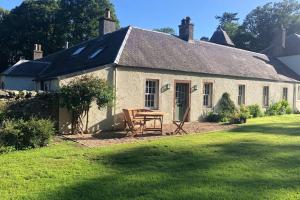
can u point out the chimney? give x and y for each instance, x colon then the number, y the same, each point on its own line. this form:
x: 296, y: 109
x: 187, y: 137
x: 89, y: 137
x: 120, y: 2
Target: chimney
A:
x: 106, y: 23
x: 279, y: 41
x: 186, y: 30
x: 283, y: 36
x: 37, y: 52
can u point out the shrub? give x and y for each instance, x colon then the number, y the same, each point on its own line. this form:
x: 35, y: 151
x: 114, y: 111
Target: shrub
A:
x: 226, y: 107
x: 279, y: 108
x: 213, y: 117
x: 6, y: 149
x: 26, y: 134
x: 244, y: 112
x: 255, y: 111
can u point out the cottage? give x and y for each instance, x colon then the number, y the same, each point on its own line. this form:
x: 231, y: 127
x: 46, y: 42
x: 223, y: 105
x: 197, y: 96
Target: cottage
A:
x: 167, y: 72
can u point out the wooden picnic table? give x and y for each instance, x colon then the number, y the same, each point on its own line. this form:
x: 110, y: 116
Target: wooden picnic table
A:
x: 152, y: 115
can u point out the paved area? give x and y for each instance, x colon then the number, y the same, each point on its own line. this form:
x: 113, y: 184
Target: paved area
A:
x: 119, y: 137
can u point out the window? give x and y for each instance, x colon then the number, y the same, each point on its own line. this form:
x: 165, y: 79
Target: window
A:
x: 78, y: 51
x: 207, y: 95
x: 151, y: 94
x: 95, y: 53
x: 266, y: 96
x: 241, y: 95
x: 298, y: 96
x: 285, y: 94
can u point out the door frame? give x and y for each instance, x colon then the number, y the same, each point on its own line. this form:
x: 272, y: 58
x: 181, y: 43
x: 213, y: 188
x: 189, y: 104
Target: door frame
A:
x: 189, y: 97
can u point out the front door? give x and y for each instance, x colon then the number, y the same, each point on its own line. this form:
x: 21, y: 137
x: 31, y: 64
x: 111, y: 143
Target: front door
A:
x: 182, y: 95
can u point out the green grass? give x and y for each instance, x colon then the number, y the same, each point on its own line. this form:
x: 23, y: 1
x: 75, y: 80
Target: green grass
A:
x: 259, y: 160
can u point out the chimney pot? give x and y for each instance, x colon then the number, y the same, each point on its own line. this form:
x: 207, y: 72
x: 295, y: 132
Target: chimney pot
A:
x: 283, y: 36
x: 107, y: 13
x: 37, y: 52
x: 67, y: 45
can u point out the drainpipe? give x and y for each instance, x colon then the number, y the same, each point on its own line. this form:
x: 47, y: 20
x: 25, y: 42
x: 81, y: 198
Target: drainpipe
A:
x: 115, y: 91
x: 295, y: 97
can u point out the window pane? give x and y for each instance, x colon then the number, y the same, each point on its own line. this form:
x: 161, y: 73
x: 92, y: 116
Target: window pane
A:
x: 207, y: 94
x: 151, y: 94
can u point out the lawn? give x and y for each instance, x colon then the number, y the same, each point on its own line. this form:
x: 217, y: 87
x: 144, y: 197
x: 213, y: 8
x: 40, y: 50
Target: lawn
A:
x: 259, y: 160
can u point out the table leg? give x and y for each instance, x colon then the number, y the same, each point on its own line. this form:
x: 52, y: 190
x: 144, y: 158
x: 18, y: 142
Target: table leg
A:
x: 161, y: 124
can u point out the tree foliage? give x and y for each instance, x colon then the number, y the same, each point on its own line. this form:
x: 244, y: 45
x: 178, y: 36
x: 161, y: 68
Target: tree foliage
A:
x: 49, y: 22
x: 165, y: 30
x: 78, y: 95
x: 204, y: 38
x: 263, y: 22
x: 227, y: 17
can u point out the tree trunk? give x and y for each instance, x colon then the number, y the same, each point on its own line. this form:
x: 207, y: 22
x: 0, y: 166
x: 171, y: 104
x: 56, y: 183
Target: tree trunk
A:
x: 87, y: 120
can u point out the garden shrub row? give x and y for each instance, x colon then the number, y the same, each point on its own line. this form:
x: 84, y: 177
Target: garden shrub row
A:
x: 228, y: 112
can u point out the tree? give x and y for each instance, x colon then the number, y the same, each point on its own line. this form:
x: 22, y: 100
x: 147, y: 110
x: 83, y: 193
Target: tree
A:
x: 79, y: 20
x: 3, y: 13
x: 78, y: 95
x: 227, y: 17
x: 165, y: 30
x: 263, y: 22
x: 31, y: 22
x: 204, y: 38
x: 49, y: 22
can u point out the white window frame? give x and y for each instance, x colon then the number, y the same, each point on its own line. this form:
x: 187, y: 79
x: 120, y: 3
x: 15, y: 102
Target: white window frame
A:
x: 207, y: 94
x: 241, y: 95
x: 151, y: 100
x: 285, y: 93
x: 266, y: 96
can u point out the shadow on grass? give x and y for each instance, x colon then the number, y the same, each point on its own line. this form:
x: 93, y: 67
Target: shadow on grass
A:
x: 290, y: 129
x: 244, y: 169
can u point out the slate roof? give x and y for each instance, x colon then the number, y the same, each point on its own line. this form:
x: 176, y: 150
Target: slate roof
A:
x: 135, y: 47
x: 221, y: 37
x: 26, y: 68
x: 292, y: 47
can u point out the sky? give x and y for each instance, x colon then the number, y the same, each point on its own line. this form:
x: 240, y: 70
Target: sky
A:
x: 150, y: 14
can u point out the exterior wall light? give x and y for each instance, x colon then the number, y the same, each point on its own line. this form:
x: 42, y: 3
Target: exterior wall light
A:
x: 166, y: 87
x: 195, y: 87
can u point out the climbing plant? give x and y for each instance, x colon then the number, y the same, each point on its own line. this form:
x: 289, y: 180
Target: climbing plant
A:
x: 79, y: 94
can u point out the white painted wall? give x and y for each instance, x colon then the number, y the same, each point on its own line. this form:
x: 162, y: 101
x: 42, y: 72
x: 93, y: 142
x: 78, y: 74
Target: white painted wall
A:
x: 293, y: 62
x: 130, y: 87
x: 18, y: 83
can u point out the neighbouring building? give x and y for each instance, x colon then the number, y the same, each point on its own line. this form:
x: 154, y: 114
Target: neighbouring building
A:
x: 167, y: 72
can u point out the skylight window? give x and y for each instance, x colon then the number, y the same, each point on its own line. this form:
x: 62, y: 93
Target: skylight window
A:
x: 96, y: 53
x: 78, y: 51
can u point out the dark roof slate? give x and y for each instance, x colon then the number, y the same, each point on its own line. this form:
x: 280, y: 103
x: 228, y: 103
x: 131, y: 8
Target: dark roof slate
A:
x: 150, y: 49
x: 221, y: 37
x: 292, y: 47
x: 136, y: 47
x: 27, y: 68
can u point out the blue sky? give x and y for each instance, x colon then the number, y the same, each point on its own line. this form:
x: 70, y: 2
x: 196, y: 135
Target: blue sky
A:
x: 151, y: 14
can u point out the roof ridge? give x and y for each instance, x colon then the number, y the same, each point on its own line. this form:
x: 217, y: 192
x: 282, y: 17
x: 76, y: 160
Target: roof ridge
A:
x: 238, y: 49
x: 10, y: 69
x: 152, y: 31
x: 118, y: 56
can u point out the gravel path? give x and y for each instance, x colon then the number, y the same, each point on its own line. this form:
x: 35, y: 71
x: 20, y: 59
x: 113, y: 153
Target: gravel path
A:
x: 119, y: 137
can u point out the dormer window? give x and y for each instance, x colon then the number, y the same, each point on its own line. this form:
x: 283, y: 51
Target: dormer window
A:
x: 78, y: 51
x: 96, y: 53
